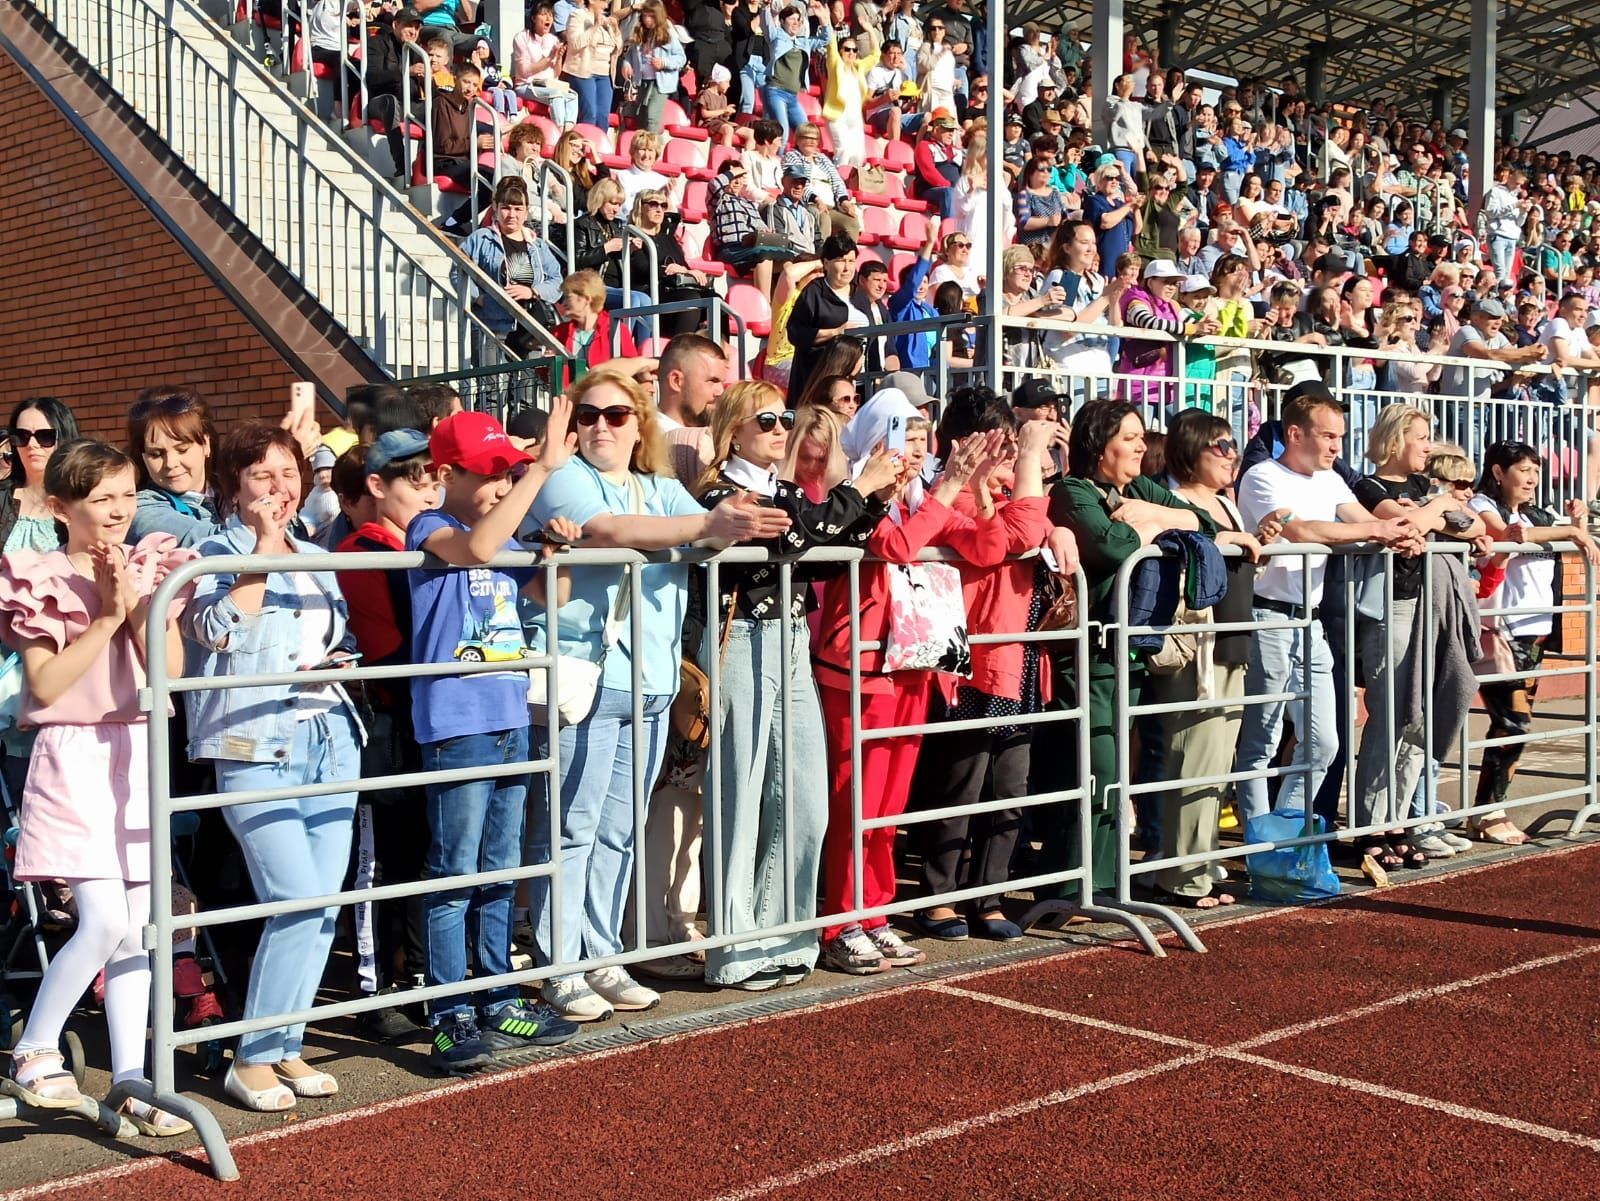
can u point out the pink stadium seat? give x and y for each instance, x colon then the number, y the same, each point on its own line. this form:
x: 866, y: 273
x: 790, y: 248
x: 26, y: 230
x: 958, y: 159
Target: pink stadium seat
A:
x: 913, y: 232
x: 599, y: 138
x: 689, y: 155
x: 710, y: 266
x: 897, y: 265
x: 899, y: 154
x: 695, y: 206
x: 751, y: 305
x: 868, y: 254
x: 877, y: 225
x: 811, y: 107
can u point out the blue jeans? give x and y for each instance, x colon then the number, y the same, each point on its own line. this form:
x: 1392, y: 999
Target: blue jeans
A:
x: 1129, y: 160
x: 294, y: 849
x: 563, y: 105
x: 1502, y: 253
x: 475, y: 826
x: 943, y: 199
x: 597, y: 826
x: 784, y: 108
x: 1232, y: 181
x: 754, y: 814
x: 594, y: 99
x: 1278, y: 659
x: 639, y: 327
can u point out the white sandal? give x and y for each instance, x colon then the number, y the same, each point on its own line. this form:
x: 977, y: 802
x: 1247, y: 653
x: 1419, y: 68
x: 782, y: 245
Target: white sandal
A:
x: 153, y: 1121
x: 42, y: 1079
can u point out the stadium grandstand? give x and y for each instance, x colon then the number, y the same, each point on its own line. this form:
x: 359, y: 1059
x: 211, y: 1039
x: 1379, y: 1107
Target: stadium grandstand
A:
x: 648, y: 596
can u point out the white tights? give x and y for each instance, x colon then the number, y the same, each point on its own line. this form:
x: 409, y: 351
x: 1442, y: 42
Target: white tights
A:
x: 110, y: 916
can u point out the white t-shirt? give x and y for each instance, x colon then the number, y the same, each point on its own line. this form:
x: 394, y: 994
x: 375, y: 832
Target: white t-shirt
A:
x: 1530, y: 581
x: 1270, y: 487
x: 315, y: 627
x: 1560, y: 327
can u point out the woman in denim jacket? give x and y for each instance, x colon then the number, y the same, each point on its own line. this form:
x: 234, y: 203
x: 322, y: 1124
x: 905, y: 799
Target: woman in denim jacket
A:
x: 276, y: 736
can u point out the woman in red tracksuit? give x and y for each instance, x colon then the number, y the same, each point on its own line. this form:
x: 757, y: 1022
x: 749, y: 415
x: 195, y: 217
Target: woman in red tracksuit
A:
x: 1008, y: 679
x: 887, y: 699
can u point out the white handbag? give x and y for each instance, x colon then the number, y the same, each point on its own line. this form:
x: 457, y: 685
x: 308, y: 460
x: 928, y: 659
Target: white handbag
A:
x: 580, y: 678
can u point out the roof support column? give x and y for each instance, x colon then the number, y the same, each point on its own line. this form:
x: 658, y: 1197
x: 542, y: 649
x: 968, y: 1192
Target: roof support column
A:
x: 995, y: 198
x: 1316, y: 61
x: 1439, y: 100
x: 1511, y: 119
x: 1167, y: 35
x: 1481, y: 102
x: 1105, y: 53
x: 507, y: 17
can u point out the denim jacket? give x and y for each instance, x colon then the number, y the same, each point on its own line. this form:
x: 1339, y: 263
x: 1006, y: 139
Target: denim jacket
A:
x: 251, y: 725
x: 671, y: 53
x: 487, y: 248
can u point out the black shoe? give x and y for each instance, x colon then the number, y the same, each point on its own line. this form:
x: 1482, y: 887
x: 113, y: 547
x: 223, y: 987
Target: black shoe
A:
x: 516, y: 1027
x: 458, y: 1048
x: 387, y: 1025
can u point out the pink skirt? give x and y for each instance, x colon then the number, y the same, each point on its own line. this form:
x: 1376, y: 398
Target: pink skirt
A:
x: 86, y: 807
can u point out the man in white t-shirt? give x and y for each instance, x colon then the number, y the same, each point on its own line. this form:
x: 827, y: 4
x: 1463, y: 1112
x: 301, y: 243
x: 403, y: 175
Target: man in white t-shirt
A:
x: 1304, y: 492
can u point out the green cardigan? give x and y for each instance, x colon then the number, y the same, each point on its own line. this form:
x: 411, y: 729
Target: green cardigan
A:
x: 1105, y: 544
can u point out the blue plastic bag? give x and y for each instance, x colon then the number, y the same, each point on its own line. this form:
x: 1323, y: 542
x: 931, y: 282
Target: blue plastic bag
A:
x: 1291, y: 874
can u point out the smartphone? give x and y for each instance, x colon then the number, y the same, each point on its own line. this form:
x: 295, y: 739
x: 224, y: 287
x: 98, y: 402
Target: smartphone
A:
x: 302, y: 402
x: 338, y: 659
x: 895, y: 439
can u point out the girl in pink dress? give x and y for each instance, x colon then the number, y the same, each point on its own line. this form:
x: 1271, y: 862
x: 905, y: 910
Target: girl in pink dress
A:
x: 77, y: 615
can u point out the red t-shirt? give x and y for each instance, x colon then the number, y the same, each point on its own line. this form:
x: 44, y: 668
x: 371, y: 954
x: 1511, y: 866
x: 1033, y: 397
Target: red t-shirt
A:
x: 368, y: 595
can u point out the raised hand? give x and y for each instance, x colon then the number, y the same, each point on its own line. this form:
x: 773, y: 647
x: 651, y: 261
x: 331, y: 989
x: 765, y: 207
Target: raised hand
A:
x: 880, y: 475
x: 559, y: 440
x: 742, y: 518
x: 117, y: 596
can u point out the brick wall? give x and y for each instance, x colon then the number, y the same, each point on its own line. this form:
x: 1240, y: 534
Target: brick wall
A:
x: 102, y: 301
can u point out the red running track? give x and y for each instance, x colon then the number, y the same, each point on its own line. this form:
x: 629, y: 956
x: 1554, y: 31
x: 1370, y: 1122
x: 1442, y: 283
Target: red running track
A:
x: 1437, y: 1040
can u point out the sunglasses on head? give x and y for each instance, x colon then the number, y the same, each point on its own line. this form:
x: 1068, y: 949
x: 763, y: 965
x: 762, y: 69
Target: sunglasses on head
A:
x: 46, y: 438
x: 768, y: 421
x: 616, y: 416
x: 166, y: 406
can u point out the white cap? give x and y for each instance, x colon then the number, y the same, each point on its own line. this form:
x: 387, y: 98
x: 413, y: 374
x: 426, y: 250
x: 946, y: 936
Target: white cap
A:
x: 1162, y: 269
x: 1195, y: 283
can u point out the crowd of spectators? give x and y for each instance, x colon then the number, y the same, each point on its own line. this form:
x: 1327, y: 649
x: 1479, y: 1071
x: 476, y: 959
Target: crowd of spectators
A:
x: 651, y: 454
x: 744, y: 146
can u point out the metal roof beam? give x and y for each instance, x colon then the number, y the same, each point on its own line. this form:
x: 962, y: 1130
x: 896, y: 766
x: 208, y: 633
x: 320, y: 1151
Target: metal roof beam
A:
x: 1566, y: 88
x: 1285, y: 16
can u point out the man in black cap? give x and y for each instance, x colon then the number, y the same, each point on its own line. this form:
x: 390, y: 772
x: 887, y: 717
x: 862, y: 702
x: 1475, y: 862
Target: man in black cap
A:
x: 1036, y: 400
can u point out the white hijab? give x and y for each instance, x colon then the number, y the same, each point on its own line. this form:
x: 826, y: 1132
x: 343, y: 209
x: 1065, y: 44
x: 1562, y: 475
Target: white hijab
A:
x: 869, y: 427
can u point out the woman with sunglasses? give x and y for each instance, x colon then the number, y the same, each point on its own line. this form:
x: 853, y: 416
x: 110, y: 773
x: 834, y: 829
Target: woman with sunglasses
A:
x: 832, y: 391
x: 619, y: 488
x: 771, y: 791
x: 1202, y: 457
x: 675, y: 279
x: 38, y: 425
x: 1397, y: 330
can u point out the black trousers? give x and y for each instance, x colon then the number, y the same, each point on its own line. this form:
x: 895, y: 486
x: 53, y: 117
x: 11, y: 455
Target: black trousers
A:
x: 961, y: 768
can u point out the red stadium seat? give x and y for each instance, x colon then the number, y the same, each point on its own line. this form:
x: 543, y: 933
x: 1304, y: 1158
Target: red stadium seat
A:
x: 913, y: 232
x: 899, y: 154
x: 689, y: 155
x: 877, y: 225
x: 751, y: 305
x: 695, y: 205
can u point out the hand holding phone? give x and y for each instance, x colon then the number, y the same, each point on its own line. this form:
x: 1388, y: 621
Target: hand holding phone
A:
x: 338, y: 659
x: 895, y: 438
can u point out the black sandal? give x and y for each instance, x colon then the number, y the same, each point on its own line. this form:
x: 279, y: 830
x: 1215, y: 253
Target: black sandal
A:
x: 1408, y: 855
x: 1381, y: 853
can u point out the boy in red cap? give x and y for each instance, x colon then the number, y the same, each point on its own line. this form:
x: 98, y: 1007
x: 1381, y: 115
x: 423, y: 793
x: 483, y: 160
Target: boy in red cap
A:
x: 486, y: 484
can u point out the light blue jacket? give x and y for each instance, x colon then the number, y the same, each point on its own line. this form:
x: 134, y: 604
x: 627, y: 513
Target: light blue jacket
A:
x: 486, y: 248
x: 252, y: 725
x: 672, y: 53
x: 189, y: 519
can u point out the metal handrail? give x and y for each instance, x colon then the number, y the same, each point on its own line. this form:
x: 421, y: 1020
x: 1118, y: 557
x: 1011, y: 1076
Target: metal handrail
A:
x: 213, y: 104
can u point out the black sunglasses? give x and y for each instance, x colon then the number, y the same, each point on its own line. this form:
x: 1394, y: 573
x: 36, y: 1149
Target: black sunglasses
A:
x: 616, y: 416
x: 45, y: 438
x: 1225, y: 446
x: 167, y: 406
x: 768, y: 421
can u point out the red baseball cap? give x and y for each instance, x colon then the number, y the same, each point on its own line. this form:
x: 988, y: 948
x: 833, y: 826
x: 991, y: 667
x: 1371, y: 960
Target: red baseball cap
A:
x: 474, y: 442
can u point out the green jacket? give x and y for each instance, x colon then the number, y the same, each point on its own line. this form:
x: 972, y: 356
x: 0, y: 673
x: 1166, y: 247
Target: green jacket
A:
x: 1104, y: 544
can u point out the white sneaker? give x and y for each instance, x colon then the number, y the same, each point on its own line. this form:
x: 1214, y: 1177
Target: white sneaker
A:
x: 622, y: 990
x: 576, y: 1001
x: 1434, y: 847
x: 1217, y: 872
x: 1453, y: 840
x: 895, y: 950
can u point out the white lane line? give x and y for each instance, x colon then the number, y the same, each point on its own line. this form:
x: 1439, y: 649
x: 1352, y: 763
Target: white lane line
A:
x: 426, y: 1096
x: 1416, y: 994
x: 1466, y: 1112
x: 955, y: 1129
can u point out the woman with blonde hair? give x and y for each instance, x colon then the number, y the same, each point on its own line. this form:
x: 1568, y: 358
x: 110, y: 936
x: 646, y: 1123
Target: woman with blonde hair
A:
x: 1398, y: 446
x: 619, y: 489
x: 576, y: 157
x: 756, y: 798
x: 594, y: 39
x: 816, y: 456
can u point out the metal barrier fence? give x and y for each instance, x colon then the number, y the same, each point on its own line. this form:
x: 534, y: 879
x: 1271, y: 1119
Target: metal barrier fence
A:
x: 1070, y: 804
x: 1295, y: 689
x: 504, y: 390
